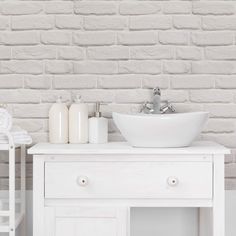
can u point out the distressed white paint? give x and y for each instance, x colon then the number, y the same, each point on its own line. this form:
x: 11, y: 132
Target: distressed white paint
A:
x: 71, y: 187
x: 119, y: 148
x: 151, y: 221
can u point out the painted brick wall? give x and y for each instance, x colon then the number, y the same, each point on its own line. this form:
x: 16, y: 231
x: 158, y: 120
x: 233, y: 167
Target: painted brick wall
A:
x: 116, y: 52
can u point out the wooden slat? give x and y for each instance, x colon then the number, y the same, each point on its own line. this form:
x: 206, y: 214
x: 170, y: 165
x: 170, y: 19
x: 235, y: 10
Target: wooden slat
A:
x: 4, y: 184
x: 4, y: 170
x: 4, y: 157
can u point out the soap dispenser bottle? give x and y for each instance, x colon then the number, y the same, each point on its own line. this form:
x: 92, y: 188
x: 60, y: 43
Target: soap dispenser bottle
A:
x: 98, y: 127
x: 58, y: 122
x: 78, y: 121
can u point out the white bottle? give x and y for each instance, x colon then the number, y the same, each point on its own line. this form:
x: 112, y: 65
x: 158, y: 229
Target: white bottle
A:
x: 78, y: 121
x: 98, y: 127
x: 58, y: 122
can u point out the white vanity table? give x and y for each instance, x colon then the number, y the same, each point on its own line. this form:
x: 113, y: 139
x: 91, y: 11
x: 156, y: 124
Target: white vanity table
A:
x: 89, y: 189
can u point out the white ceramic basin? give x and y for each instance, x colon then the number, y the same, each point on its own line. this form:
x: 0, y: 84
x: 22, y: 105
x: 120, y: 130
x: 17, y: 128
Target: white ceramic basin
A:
x: 160, y: 130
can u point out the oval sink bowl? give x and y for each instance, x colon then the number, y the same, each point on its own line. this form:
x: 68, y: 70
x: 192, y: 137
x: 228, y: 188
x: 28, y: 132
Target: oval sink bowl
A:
x: 160, y: 130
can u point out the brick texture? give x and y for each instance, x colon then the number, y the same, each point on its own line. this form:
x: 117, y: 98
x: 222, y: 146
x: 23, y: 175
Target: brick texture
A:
x: 116, y: 52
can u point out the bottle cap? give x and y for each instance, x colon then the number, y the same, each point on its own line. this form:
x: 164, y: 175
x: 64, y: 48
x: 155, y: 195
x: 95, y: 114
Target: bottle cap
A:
x: 78, y: 98
x: 97, y: 111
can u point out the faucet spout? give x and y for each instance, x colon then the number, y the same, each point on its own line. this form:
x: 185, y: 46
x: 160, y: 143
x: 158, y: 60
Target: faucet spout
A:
x: 156, y: 100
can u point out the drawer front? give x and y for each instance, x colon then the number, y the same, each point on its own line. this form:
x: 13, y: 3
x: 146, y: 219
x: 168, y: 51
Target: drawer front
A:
x: 191, y: 180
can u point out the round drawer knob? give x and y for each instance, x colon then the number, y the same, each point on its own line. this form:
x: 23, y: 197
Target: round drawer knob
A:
x: 82, y: 181
x: 172, y: 181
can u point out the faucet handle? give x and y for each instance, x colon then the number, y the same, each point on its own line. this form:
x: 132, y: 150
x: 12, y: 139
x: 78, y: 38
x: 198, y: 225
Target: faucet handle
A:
x: 171, y: 107
x: 167, y: 107
x: 143, y: 106
x: 146, y: 108
x: 157, y: 91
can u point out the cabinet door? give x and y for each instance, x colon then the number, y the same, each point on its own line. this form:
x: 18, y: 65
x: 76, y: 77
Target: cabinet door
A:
x: 86, y: 221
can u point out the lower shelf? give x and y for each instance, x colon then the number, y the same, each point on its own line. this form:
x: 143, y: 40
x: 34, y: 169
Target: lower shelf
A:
x: 4, y: 227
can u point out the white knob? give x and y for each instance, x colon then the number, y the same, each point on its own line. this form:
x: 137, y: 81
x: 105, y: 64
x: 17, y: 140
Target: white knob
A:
x: 172, y: 181
x: 82, y: 181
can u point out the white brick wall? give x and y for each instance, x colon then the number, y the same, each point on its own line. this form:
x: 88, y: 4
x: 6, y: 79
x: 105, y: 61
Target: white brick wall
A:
x: 116, y: 52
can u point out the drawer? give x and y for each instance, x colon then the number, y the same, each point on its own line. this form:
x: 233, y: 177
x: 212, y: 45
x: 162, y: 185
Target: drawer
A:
x: 192, y: 180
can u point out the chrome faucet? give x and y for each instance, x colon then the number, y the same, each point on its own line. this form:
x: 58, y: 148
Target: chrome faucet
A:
x: 156, y: 107
x: 156, y: 102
